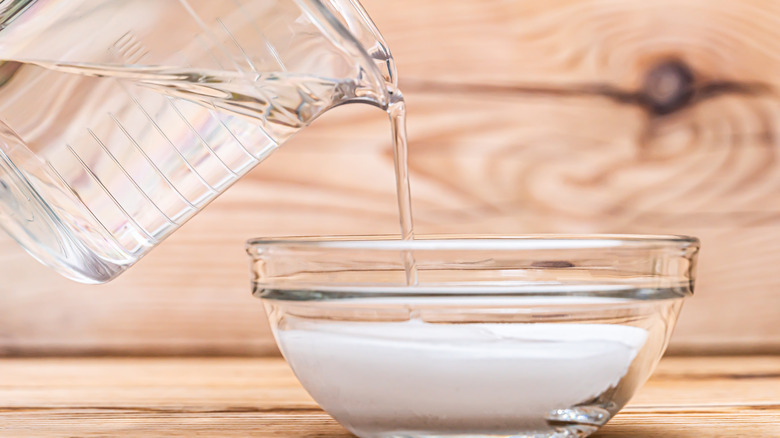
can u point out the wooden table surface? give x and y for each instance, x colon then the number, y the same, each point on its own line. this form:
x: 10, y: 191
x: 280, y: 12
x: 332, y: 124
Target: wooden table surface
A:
x: 687, y: 397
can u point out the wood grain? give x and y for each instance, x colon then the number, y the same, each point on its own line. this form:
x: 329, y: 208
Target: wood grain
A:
x: 687, y: 397
x: 525, y: 116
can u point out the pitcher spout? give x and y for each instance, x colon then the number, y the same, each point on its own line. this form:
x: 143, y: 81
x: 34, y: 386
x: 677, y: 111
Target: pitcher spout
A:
x: 349, y: 23
x: 366, y: 33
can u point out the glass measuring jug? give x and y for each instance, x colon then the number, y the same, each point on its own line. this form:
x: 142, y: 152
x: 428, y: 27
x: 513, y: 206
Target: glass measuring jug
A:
x: 120, y: 120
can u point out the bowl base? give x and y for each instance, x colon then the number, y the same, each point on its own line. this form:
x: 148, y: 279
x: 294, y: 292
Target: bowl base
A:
x: 574, y: 431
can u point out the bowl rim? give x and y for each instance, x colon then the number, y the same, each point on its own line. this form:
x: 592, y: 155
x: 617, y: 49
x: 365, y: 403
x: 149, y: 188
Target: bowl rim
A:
x: 298, y: 249
x: 438, y: 242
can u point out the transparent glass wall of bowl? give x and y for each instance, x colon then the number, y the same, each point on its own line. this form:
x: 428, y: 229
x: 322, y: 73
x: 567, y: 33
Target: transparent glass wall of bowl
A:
x: 545, y: 336
x: 120, y: 120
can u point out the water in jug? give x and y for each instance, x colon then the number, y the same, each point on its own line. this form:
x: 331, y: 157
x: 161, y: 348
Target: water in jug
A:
x: 119, y: 120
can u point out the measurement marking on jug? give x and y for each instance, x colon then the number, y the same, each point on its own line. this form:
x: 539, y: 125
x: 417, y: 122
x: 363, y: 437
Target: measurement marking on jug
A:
x: 216, y: 115
x: 129, y: 217
x: 151, y: 162
x: 189, y: 165
x: 211, y: 151
x: 205, y: 29
x: 109, y: 234
x: 271, y: 49
x: 132, y: 181
x: 127, y: 46
x: 259, y: 128
x: 238, y: 46
x: 122, y: 42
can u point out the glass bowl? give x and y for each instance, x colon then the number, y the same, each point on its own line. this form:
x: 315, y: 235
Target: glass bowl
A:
x: 542, y: 336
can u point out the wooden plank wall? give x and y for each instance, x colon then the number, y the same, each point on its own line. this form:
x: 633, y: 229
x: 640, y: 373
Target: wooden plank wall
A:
x: 525, y: 116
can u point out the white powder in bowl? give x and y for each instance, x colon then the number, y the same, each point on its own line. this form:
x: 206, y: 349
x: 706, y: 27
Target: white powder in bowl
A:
x: 417, y: 376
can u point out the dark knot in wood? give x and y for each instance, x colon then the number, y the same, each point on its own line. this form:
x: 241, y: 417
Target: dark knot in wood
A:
x: 552, y: 264
x: 668, y: 87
